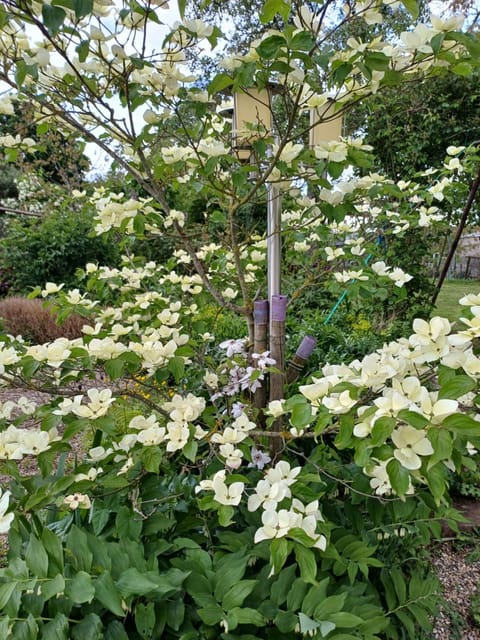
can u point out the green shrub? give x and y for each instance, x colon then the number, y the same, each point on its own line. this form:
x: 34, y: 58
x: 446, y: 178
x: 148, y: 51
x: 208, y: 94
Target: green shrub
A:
x: 53, y: 249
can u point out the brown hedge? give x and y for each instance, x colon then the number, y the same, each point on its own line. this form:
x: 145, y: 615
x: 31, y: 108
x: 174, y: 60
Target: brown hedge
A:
x: 35, y: 323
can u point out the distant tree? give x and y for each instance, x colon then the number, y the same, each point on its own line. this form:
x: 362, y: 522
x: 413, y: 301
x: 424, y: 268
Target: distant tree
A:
x: 58, y: 157
x: 411, y: 129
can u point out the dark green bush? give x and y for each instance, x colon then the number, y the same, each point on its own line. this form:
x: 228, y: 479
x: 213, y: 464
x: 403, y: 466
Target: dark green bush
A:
x: 50, y: 250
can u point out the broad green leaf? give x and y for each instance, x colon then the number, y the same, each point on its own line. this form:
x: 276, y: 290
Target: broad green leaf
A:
x: 272, y: 7
x: 220, y: 82
x: 211, y: 615
x: 246, y: 615
x: 182, y: 4
x: 53, y: 587
x: 89, y: 628
x: 301, y: 415
x: 442, y: 443
x: 398, y: 476
x: 456, y: 387
x: 59, y: 629
x: 228, y: 571
x: 296, y: 595
x: 346, y: 620
x: 412, y: 7
x: 53, y: 18
x: 107, y: 594
x: 282, y: 587
x: 128, y: 524
x: 285, y: 621
x: 269, y: 48
x: 302, y: 41
x: 237, y: 594
x: 316, y: 594
x: 279, y: 550
x: 81, y: 589
x: 77, y: 546
x: 332, y: 604
x: 115, y: 631
x: 36, y: 557
x: 382, y: 429
x: 6, y: 591
x: 412, y: 417
x: 82, y: 8
x: 437, y: 481
x: 307, y: 563
x: 145, y: 619
x: 462, y: 424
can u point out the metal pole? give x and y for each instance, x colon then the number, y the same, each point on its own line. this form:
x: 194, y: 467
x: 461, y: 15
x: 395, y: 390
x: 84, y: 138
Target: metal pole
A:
x: 274, y: 220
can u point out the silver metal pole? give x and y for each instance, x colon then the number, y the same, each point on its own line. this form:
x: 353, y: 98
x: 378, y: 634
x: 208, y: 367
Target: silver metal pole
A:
x: 274, y: 261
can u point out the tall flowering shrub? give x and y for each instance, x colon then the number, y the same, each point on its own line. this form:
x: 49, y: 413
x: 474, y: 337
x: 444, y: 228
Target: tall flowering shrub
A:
x: 178, y: 519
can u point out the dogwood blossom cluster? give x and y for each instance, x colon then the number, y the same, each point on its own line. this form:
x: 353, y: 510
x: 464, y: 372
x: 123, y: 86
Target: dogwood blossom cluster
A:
x: 406, y: 408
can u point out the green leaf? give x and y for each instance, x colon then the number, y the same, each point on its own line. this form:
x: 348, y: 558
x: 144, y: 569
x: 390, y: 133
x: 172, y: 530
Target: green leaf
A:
x: 272, y: 7
x: 456, y: 387
x: 442, y: 443
x: 285, y: 621
x: 399, y: 477
x: 437, y: 481
x: 283, y: 585
x: 182, y: 4
x: 279, y: 551
x: 128, y: 524
x: 6, y: 591
x: 220, y: 82
x: 82, y: 8
x: 228, y: 571
x: 81, y: 588
x: 107, y: 594
x: 332, y: 604
x: 53, y: 18
x: 301, y: 415
x: 246, y: 615
x: 133, y: 582
x: 211, y: 615
x: 145, y: 619
x: 115, y: 631
x: 412, y: 7
x: 53, y: 587
x: 307, y: 563
x: 382, y: 429
x: 36, y: 557
x: 296, y: 595
x: 114, y: 368
x: 237, y: 594
x: 176, y: 366
x: 412, y: 417
x: 77, y: 545
x: 89, y: 628
x: 345, y: 620
x: 462, y: 424
x: 302, y: 41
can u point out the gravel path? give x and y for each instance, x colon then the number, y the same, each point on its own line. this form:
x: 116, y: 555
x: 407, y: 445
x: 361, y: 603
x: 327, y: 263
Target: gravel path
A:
x: 458, y: 569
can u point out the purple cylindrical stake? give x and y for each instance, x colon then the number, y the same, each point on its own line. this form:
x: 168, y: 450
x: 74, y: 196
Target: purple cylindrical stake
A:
x: 279, y: 308
x: 306, y: 347
x: 260, y: 311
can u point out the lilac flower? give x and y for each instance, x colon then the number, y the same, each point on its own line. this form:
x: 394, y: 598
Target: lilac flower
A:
x: 259, y: 459
x: 233, y: 346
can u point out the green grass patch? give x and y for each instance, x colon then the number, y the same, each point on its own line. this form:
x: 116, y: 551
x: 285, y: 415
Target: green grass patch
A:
x: 452, y: 290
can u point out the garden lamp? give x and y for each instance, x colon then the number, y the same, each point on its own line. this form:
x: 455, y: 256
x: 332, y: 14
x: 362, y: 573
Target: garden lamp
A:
x: 325, y: 124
